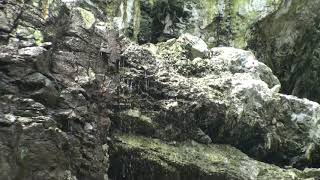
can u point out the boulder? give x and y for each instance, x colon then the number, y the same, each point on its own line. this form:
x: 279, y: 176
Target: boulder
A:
x: 227, y: 94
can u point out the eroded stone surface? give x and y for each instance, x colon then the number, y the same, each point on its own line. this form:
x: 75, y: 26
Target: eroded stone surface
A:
x: 190, y: 160
x: 228, y: 94
x: 64, y: 76
x: 50, y: 126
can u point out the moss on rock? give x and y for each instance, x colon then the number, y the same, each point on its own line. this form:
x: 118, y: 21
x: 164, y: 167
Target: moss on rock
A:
x: 190, y: 160
x: 87, y: 17
x: 134, y: 121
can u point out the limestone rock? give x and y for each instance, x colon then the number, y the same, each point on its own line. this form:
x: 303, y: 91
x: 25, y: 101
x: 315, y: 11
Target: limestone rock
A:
x: 31, y: 51
x: 198, y: 47
x: 71, y: 87
x: 228, y: 94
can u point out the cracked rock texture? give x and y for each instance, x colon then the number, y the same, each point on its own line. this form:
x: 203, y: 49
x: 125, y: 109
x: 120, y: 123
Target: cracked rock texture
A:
x: 84, y: 95
x: 284, y: 34
x: 51, y: 121
x: 227, y: 96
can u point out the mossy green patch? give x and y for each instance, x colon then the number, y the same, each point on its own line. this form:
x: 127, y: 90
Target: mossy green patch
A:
x: 30, y: 33
x: 38, y: 37
x: 87, y: 17
x: 192, y: 160
x: 218, y: 22
x: 132, y: 120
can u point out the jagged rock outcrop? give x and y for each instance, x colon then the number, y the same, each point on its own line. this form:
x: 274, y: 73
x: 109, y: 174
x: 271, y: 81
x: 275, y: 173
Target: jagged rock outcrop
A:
x: 51, y: 88
x: 284, y: 34
x: 73, y: 92
x: 223, y: 96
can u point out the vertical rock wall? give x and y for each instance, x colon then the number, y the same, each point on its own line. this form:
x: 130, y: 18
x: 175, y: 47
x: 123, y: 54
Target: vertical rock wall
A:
x: 219, y: 22
x: 288, y: 42
x: 64, y: 76
x: 53, y: 78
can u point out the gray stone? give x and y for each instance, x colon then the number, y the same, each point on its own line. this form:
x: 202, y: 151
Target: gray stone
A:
x: 198, y: 47
x: 290, y: 47
x: 170, y: 103
x: 32, y: 51
x: 7, y: 119
x: 230, y: 95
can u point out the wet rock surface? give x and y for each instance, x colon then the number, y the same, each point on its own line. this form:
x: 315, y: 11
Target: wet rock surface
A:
x: 74, y: 91
x: 190, y: 160
x: 51, y: 126
x: 225, y: 97
x: 284, y: 34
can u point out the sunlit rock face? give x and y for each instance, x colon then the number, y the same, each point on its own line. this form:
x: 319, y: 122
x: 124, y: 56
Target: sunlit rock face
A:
x: 175, y: 104
x: 223, y: 96
x: 283, y: 34
x: 218, y: 22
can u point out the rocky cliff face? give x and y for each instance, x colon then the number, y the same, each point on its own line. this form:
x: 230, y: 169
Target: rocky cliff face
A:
x: 288, y: 42
x: 85, y: 95
x: 282, y: 33
x: 53, y: 122
x: 218, y: 22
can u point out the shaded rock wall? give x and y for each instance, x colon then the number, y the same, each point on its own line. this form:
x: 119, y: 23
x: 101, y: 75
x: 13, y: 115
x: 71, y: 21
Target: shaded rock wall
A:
x: 53, y: 66
x: 288, y: 42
